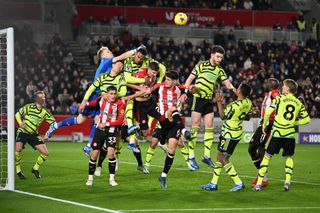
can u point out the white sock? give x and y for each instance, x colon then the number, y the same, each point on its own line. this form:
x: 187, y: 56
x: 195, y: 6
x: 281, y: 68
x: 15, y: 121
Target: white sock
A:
x: 163, y: 174
x: 90, y: 177
x: 183, y: 131
x: 111, y: 177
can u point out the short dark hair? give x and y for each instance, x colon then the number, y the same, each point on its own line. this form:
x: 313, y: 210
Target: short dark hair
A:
x: 291, y: 84
x: 273, y: 83
x: 142, y: 51
x: 111, y: 88
x: 218, y: 49
x: 173, y: 75
x: 35, y: 95
x: 245, y: 89
x: 154, y: 66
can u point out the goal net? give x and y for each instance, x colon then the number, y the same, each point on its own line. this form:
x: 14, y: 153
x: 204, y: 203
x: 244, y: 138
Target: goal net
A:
x: 7, y: 140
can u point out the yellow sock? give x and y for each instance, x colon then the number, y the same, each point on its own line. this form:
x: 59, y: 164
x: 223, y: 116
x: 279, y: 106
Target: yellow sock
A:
x: 185, y: 153
x: 289, y: 169
x: 129, y: 112
x: 229, y: 168
x: 208, y: 140
x: 40, y: 160
x: 149, y: 156
x: 263, y: 169
x: 216, y: 173
x: 193, y: 141
x: 132, y: 138
x: 18, y: 161
x: 118, y: 148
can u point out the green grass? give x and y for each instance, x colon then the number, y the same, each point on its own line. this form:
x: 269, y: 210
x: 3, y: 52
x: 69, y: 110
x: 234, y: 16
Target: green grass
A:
x: 65, y: 171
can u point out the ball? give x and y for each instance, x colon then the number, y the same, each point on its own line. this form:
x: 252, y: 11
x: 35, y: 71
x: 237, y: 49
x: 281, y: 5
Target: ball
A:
x: 181, y: 19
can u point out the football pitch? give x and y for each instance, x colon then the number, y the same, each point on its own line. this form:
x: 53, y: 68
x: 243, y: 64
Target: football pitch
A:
x: 62, y: 187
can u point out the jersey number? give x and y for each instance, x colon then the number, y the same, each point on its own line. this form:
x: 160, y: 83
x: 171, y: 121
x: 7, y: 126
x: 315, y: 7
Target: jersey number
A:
x: 242, y: 116
x: 288, y: 115
x: 112, y: 140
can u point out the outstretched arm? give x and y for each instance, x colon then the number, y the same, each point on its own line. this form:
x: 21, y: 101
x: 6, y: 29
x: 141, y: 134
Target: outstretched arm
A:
x: 220, y: 102
x: 189, y: 80
x: 124, y: 55
x: 229, y: 85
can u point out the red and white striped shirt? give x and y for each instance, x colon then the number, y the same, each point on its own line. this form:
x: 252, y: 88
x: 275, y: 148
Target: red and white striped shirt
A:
x: 167, y: 97
x: 111, y: 113
x: 267, y: 101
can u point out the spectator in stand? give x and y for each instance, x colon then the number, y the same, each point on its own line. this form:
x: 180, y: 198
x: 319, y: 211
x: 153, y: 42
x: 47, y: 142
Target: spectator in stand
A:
x: 152, y: 23
x: 238, y: 25
x: 247, y: 5
x: 91, y: 20
x: 247, y: 64
x: 193, y: 21
x: 122, y: 20
x: 226, y: 6
x: 221, y: 24
x: 219, y: 38
x: 277, y: 26
x: 143, y: 23
x: 301, y: 24
x: 115, y: 21
x: 104, y: 21
x: 315, y: 28
x: 231, y: 37
x: 290, y: 26
x: 209, y: 24
x: 126, y: 36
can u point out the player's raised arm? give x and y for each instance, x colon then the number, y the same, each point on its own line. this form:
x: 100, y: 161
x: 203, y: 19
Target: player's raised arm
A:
x: 229, y: 85
x: 86, y: 97
x: 127, y: 54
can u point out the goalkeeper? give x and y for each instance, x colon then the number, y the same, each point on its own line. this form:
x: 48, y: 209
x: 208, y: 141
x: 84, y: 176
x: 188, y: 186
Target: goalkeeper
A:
x: 105, y: 66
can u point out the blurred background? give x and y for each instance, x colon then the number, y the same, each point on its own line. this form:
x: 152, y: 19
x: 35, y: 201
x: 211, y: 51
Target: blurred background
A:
x: 56, y: 43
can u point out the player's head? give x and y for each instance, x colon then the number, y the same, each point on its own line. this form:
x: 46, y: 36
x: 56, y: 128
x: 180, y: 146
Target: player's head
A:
x: 117, y: 66
x: 217, y: 53
x: 289, y: 86
x: 171, y: 79
x: 140, y: 55
x: 111, y: 93
x: 104, y: 52
x: 273, y: 84
x: 153, y: 69
x: 244, y: 89
x: 40, y: 97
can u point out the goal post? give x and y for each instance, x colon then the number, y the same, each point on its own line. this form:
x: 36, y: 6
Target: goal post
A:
x: 7, y: 109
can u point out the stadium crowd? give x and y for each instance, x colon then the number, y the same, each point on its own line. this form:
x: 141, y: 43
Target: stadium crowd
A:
x: 221, y: 4
x: 52, y: 68
x: 244, y: 61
